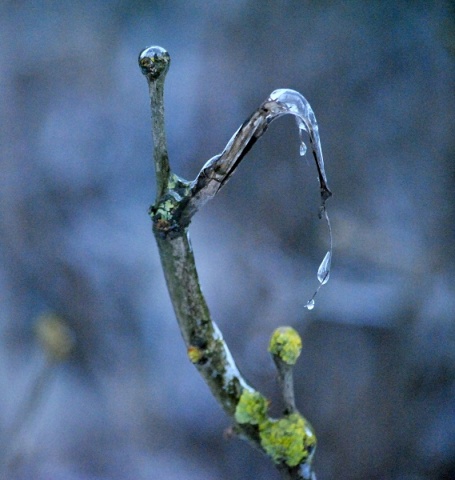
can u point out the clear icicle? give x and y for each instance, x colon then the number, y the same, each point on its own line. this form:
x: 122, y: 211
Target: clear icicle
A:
x: 292, y: 102
x: 302, y: 131
x: 324, y: 268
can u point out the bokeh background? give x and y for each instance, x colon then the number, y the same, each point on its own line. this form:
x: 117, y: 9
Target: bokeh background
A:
x: 377, y: 372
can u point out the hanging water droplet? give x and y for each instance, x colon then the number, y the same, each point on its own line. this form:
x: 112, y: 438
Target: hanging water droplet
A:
x: 310, y: 304
x: 291, y: 102
x: 324, y: 268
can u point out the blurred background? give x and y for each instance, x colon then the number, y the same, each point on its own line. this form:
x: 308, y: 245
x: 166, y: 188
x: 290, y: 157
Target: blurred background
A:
x: 79, y: 265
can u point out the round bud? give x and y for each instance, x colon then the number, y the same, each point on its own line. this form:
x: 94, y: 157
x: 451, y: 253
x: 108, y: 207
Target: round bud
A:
x: 286, y: 344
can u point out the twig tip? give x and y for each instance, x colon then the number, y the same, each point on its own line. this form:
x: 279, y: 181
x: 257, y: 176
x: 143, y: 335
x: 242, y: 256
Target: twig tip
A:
x: 154, y: 62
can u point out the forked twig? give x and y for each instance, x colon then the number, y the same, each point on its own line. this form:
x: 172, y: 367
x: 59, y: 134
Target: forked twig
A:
x: 288, y: 441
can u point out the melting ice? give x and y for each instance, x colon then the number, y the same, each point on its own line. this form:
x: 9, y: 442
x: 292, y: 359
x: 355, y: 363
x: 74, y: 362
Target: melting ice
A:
x: 323, y: 274
x: 292, y: 102
x: 310, y: 304
x: 324, y: 268
x: 302, y: 130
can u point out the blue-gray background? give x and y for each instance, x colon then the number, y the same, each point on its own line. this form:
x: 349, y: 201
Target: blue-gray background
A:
x: 377, y: 373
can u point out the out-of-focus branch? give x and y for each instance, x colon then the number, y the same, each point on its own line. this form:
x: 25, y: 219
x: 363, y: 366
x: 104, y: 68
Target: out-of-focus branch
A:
x: 57, y: 342
x: 288, y: 441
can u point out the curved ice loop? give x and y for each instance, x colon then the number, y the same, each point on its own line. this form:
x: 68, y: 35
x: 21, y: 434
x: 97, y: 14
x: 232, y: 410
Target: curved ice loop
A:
x: 292, y: 102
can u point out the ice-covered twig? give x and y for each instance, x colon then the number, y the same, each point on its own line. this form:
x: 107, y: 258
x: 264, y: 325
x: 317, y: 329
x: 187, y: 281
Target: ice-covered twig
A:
x: 217, y: 171
x: 177, y: 200
x: 154, y: 63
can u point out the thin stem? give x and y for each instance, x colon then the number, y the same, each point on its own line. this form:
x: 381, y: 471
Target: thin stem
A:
x: 285, y: 377
x: 160, y: 155
x: 154, y: 63
x: 285, y: 347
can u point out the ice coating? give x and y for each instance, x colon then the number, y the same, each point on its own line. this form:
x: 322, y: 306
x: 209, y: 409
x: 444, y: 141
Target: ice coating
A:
x: 302, y: 130
x: 231, y: 373
x: 154, y: 62
x: 324, y: 268
x: 292, y: 102
x: 217, y: 171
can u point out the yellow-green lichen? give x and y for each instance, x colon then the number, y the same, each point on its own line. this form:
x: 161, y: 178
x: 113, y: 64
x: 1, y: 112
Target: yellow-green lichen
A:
x: 195, y: 354
x: 252, y: 408
x: 166, y: 208
x: 286, y: 344
x: 290, y: 439
x: 164, y: 211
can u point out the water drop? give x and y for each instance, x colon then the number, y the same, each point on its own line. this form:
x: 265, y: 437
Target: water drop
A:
x: 310, y: 304
x: 324, y: 268
x: 302, y: 149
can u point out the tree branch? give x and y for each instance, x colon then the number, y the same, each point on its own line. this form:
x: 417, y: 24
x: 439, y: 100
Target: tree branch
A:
x: 288, y: 441
x: 154, y: 62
